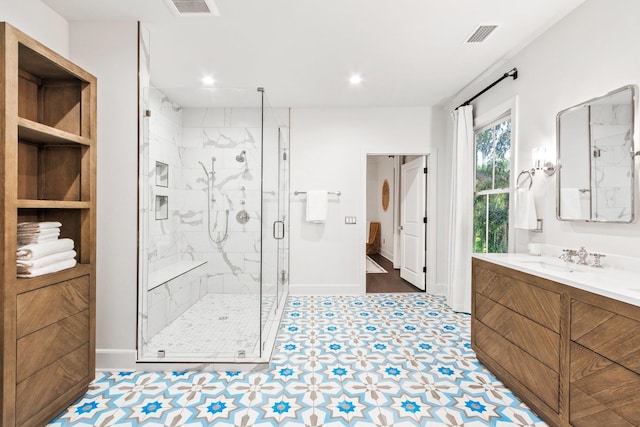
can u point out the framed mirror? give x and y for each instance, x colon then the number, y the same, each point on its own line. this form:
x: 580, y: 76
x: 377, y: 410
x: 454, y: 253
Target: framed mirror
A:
x: 595, y: 146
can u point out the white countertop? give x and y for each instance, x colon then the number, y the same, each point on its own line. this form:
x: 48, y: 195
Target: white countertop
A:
x: 618, y: 284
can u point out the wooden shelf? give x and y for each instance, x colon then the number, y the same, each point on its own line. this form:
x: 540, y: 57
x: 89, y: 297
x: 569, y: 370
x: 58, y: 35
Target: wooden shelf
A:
x: 31, y: 131
x: 26, y: 285
x: 50, y: 175
x: 52, y: 204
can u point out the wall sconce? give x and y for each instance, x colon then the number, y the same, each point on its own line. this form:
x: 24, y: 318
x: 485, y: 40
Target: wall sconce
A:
x: 541, y: 161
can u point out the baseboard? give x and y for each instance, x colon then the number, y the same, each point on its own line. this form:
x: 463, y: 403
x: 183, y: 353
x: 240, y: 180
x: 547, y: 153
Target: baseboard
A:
x: 388, y: 255
x: 115, y: 359
x: 440, y: 289
x: 345, y: 289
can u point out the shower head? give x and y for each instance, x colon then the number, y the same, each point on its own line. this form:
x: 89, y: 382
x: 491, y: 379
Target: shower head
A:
x: 241, y: 157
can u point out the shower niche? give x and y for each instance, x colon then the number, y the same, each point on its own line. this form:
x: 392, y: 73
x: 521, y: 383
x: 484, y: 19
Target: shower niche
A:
x: 209, y: 282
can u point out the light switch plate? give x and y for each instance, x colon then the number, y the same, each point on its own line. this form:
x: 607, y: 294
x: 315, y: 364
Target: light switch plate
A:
x: 349, y: 219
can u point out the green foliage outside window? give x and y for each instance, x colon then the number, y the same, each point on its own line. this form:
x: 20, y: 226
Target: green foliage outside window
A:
x: 491, y: 201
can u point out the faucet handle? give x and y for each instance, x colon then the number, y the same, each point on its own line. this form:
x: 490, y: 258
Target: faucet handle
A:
x: 582, y: 256
x: 596, y: 260
x: 567, y: 255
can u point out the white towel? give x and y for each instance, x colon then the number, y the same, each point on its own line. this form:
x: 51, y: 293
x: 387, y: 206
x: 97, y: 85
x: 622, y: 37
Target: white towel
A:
x: 22, y: 241
x: 570, y: 205
x: 525, y: 215
x: 39, y: 250
x: 45, y: 235
x: 41, y: 232
x: 51, y: 268
x: 317, y: 201
x: 24, y: 266
x: 35, y: 226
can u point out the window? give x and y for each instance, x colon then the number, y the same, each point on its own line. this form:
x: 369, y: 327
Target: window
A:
x: 492, y: 183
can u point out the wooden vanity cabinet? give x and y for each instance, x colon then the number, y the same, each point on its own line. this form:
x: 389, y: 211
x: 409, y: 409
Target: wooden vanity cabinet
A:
x: 571, y: 355
x: 47, y: 173
x: 519, y: 333
x: 605, y: 362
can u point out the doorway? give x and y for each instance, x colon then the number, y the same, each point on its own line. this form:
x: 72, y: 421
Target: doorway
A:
x: 396, y: 212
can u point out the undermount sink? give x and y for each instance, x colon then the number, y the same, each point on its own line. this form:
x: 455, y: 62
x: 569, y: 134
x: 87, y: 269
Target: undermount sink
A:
x: 545, y: 265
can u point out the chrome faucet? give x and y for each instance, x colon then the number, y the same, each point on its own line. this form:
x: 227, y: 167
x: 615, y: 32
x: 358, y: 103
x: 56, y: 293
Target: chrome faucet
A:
x: 582, y: 256
x: 568, y: 254
x: 596, y: 258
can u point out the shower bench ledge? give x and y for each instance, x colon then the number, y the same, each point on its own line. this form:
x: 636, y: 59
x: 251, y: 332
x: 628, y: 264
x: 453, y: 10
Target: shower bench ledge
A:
x: 170, y: 272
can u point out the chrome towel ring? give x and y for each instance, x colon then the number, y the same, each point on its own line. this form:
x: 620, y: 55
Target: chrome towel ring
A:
x: 528, y: 173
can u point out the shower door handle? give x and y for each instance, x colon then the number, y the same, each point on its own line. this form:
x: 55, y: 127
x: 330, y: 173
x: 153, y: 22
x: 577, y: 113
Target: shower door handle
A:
x: 278, y: 225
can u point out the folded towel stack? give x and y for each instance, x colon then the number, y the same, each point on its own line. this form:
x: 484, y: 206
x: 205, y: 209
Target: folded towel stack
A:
x: 37, y: 232
x: 40, y: 251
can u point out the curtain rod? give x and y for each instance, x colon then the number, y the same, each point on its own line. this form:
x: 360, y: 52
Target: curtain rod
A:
x: 511, y: 73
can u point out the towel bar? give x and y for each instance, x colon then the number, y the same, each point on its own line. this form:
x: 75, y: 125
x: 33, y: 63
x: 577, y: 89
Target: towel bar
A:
x: 337, y: 193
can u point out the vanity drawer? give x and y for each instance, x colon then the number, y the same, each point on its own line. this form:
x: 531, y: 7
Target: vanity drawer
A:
x: 538, y: 341
x: 612, y: 335
x: 527, y: 370
x: 52, y: 382
x: 39, y: 349
x: 516, y: 291
x: 602, y: 392
x: 45, y: 306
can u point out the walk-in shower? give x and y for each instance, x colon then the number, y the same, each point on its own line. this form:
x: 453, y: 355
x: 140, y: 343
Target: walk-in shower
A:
x: 213, y: 266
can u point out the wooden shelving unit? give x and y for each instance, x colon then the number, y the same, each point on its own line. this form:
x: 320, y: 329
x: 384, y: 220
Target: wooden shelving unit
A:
x: 48, y: 163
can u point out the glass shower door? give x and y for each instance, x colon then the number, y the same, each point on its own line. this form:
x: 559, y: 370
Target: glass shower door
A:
x: 274, y: 216
x: 201, y: 234
x: 283, y: 213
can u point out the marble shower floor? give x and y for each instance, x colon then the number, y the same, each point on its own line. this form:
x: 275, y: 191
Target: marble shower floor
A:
x: 218, y: 324
x: 376, y: 360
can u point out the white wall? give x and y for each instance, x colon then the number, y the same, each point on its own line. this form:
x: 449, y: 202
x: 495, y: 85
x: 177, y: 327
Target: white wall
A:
x: 380, y: 168
x: 109, y: 51
x: 39, y: 21
x: 588, y: 53
x: 329, y: 150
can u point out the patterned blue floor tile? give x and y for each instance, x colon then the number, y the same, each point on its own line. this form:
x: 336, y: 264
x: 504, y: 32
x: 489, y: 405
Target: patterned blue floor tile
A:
x: 399, y: 360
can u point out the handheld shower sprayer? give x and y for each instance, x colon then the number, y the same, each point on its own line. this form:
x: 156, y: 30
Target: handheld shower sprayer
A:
x: 210, y: 202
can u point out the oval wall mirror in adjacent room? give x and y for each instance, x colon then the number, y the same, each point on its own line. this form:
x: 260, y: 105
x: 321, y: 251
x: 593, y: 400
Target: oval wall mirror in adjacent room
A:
x: 385, y: 195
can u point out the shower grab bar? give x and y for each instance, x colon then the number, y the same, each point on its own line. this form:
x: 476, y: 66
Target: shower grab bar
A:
x: 337, y: 193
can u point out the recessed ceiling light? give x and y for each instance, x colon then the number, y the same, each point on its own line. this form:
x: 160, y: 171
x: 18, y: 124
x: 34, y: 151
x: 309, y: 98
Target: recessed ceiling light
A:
x: 208, y: 80
x: 355, y: 79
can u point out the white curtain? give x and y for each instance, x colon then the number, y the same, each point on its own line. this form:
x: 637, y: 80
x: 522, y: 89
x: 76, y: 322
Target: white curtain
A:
x: 461, y: 228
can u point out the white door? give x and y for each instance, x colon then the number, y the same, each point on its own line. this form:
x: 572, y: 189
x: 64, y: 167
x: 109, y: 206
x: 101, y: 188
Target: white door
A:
x: 412, y: 223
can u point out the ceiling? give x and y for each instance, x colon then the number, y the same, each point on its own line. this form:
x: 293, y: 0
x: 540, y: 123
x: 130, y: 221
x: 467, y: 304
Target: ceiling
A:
x: 408, y: 52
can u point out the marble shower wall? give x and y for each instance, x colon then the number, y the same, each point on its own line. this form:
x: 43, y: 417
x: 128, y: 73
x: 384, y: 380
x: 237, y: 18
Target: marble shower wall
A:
x: 611, y: 169
x: 215, y: 137
x: 164, y: 237
x: 165, y: 138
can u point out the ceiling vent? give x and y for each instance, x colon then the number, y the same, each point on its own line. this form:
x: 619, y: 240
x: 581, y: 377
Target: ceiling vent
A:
x: 193, y: 7
x: 481, y: 33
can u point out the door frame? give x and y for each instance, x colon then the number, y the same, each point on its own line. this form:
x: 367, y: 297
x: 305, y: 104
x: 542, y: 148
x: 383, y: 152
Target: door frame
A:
x: 431, y: 230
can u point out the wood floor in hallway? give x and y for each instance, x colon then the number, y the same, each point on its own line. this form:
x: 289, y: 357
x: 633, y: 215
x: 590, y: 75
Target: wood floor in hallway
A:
x: 388, y: 282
